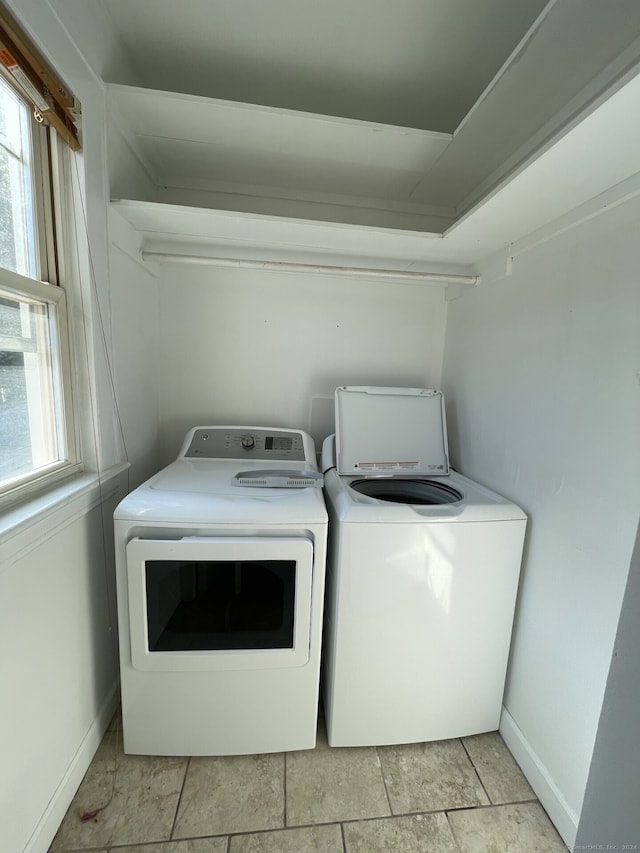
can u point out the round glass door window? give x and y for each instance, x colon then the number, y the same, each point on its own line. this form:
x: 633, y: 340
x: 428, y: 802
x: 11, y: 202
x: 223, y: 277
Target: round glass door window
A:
x: 405, y: 491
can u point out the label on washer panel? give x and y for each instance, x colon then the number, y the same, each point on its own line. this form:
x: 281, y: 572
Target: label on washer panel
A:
x: 387, y: 466
x: 246, y: 444
x: 398, y: 466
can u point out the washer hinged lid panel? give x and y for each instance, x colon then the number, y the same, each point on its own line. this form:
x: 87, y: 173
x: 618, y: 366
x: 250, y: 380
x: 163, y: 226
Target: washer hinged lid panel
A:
x: 391, y: 431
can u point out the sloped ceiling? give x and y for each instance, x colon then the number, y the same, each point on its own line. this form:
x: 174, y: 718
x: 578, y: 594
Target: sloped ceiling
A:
x: 449, y: 100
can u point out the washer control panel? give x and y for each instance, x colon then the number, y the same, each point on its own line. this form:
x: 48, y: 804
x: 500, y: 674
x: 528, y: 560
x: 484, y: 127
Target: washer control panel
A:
x: 245, y: 443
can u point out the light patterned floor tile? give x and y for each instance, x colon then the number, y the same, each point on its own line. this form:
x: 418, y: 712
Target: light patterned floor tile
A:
x: 521, y: 828
x: 401, y: 835
x: 433, y: 776
x: 326, y: 785
x: 237, y: 804
x: 193, y: 845
x: 309, y: 839
x: 497, y: 768
x: 143, y: 808
x: 241, y: 793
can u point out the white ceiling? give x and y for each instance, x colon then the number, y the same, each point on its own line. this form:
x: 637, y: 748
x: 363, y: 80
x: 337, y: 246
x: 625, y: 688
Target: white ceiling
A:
x: 413, y: 63
x: 588, y: 171
x: 503, y: 76
x: 402, y: 115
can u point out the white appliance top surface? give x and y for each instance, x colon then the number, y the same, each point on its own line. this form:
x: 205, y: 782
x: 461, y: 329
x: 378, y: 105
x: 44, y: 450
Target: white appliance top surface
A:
x: 396, y: 431
x: 198, y: 489
x: 478, y: 504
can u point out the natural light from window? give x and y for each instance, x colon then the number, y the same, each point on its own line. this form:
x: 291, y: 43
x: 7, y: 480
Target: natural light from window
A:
x: 28, y: 387
x: 32, y: 419
x: 17, y: 215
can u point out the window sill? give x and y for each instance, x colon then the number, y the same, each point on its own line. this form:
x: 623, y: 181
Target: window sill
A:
x: 32, y: 522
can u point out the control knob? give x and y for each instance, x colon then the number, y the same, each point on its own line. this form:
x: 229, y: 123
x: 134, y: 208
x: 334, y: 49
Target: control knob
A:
x: 247, y: 441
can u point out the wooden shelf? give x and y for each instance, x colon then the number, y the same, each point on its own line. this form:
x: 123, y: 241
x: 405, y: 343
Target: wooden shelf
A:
x: 221, y: 233
x: 579, y: 174
x: 261, y: 160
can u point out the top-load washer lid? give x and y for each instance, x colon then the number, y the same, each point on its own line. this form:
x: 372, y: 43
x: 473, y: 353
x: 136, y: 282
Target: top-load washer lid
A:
x: 392, y: 431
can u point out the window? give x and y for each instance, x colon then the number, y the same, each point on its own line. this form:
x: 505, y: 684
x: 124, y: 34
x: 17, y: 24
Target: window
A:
x: 37, y: 443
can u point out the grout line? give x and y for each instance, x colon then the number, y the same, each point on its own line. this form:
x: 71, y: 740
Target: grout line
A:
x: 361, y: 819
x: 452, y: 831
x: 178, y: 804
x: 341, y: 824
x: 284, y: 787
x: 490, y: 806
x: 476, y: 771
x: 384, y: 780
x: 367, y: 818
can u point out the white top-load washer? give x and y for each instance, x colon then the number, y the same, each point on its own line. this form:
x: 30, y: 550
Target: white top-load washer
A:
x: 220, y: 569
x: 422, y: 576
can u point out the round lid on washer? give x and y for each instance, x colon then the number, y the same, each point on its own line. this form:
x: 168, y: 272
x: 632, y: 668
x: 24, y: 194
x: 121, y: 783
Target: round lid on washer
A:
x: 391, y: 431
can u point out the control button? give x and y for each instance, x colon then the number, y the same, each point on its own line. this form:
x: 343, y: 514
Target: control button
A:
x: 247, y: 441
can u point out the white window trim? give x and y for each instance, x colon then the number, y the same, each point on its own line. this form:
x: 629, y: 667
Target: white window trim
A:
x: 51, y: 204
x: 49, y: 475
x: 29, y: 524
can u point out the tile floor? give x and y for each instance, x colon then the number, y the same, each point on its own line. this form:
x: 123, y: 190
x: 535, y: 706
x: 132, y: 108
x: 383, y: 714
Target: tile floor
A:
x: 456, y: 796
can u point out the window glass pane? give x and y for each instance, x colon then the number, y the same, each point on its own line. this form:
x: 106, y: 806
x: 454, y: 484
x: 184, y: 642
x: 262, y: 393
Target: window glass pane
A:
x: 30, y: 432
x: 17, y: 214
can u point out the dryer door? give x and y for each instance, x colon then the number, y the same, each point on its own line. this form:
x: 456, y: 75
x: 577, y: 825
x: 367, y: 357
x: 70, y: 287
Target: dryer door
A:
x: 219, y: 603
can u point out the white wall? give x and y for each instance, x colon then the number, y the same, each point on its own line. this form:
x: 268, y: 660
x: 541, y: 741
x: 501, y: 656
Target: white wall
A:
x: 270, y: 348
x: 135, y: 331
x: 541, y: 377
x: 58, y: 667
x: 610, y: 811
x: 58, y: 664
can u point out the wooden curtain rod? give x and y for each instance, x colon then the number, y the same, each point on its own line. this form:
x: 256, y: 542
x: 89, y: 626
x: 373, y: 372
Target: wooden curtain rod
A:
x: 37, y: 81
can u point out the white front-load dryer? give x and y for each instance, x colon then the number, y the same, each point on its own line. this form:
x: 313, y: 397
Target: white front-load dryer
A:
x: 220, y: 570
x: 422, y: 576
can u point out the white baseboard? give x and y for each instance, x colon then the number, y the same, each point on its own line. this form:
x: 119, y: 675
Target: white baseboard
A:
x: 48, y: 824
x: 562, y: 815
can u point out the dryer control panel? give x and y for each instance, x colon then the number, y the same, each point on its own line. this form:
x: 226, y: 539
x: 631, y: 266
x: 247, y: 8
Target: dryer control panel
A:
x: 244, y: 443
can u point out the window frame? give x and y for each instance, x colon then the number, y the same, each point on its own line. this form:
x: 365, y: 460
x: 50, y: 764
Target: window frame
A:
x: 50, y: 196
